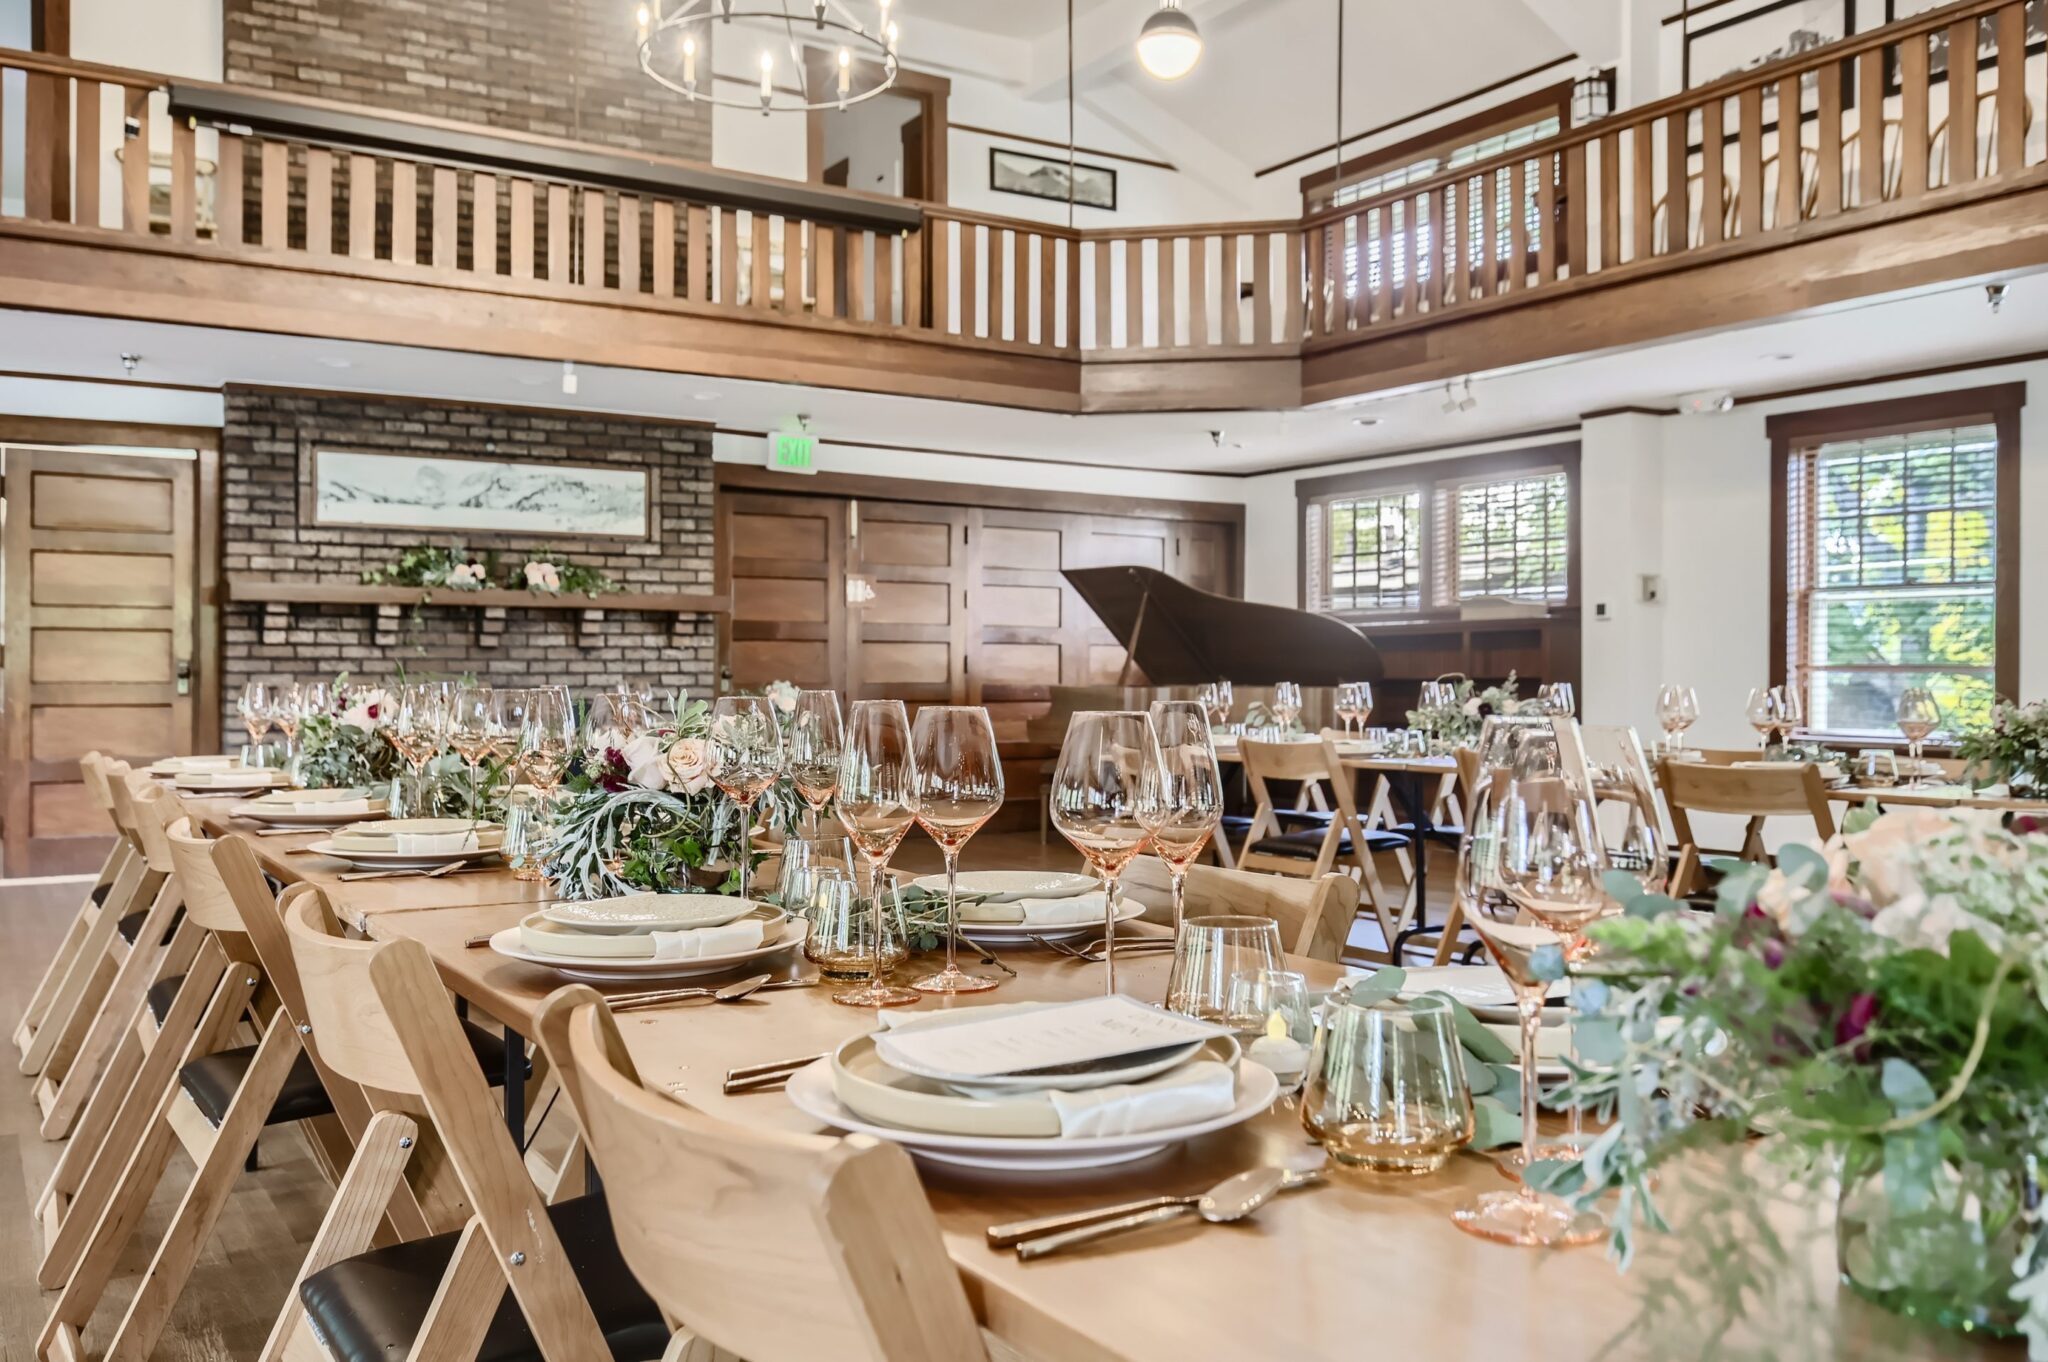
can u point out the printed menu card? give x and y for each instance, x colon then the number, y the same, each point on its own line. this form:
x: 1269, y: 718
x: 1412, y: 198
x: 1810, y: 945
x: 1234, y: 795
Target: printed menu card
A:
x: 1040, y: 1038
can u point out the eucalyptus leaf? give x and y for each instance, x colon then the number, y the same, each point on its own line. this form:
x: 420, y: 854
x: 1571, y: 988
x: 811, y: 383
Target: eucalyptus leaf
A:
x: 1905, y: 1088
x: 1378, y: 986
x: 1479, y: 1075
x: 1860, y: 817
x: 1912, y: 1159
x: 1494, y: 1124
x: 1547, y: 963
x: 1507, y: 1088
x: 1621, y: 886
x: 1475, y: 1035
x: 1653, y: 906
x: 1598, y: 1040
x: 1559, y: 1177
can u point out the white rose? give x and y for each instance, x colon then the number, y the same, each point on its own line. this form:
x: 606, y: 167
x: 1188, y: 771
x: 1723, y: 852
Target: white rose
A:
x: 550, y: 577
x: 689, y: 765
x: 645, y: 764
x: 1472, y: 707
x: 1885, y: 850
x: 534, y: 572
x: 782, y: 695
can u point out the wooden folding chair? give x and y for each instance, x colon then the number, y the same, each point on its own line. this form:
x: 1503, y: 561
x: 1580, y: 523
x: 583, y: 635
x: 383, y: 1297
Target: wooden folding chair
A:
x: 1314, y: 852
x: 1450, y: 939
x: 1753, y: 793
x: 92, y: 766
x: 723, y: 1220
x: 48, y: 1047
x: 1315, y: 916
x: 383, y: 1021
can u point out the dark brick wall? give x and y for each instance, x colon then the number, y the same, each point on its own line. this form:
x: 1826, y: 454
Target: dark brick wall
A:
x: 266, y: 454
x: 564, y: 68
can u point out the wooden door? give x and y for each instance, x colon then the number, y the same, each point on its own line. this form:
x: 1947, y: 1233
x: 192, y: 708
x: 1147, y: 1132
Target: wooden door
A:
x: 908, y: 639
x: 99, y: 600
x: 786, y: 563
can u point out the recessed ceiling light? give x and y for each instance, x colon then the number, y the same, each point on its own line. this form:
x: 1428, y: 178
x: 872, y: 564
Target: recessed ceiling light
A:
x: 1365, y: 420
x: 336, y: 362
x: 704, y: 397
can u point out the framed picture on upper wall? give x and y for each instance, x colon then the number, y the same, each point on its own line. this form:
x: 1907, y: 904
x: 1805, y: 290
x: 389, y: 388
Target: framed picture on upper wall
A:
x: 1737, y: 35
x: 1041, y: 177
x: 2034, y: 25
x: 477, y: 496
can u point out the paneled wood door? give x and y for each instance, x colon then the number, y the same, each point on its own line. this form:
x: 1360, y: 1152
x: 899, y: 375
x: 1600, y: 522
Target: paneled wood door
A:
x: 787, y: 562
x: 909, y: 640
x: 99, y: 600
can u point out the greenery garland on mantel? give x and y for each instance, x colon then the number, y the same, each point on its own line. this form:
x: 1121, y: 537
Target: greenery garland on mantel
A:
x: 452, y: 568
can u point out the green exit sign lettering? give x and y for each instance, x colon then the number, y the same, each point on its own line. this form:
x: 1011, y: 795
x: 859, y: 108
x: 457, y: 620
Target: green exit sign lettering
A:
x: 794, y: 453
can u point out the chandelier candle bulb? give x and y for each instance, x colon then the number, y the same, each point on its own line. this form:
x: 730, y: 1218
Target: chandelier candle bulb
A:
x: 845, y: 75
x: 767, y: 80
x: 690, y: 62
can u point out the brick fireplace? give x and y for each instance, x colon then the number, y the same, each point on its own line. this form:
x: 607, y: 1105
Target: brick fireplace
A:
x: 271, y: 549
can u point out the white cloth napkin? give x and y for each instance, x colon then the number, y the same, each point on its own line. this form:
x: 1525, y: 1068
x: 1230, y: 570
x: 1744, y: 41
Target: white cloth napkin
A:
x: 228, y: 780
x: 197, y: 763
x: 434, y: 843
x: 340, y: 808
x: 699, y: 943
x: 1193, y: 1092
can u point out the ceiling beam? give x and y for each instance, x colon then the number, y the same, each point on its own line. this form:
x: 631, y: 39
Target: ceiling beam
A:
x: 1103, y: 37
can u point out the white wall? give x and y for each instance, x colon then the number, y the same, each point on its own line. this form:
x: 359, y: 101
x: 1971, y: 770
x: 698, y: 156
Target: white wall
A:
x: 168, y: 37
x: 51, y: 397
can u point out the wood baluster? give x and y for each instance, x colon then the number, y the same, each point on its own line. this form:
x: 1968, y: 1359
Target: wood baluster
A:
x: 1828, y: 198
x: 591, y: 221
x: 1432, y: 262
x: 1489, y: 227
x: 1233, y: 289
x: 1642, y: 185
x: 319, y: 201
x: 184, y: 180
x: 1350, y: 263
x: 629, y: 243
x: 1048, y: 288
x: 661, y: 248
x: 1610, y: 201
x: 1518, y: 228
x: 696, y: 254
x: 362, y: 208
x: 825, y: 269
x: 405, y: 213
x: 135, y: 162
x: 483, y: 224
x: 522, y: 248
x: 761, y: 262
x: 274, y: 192
x: 1791, y: 173
x: 729, y: 256
x: 1458, y: 287
x: 1962, y: 96
x: 1301, y: 307
x: 1410, y: 292
x: 939, y: 281
x: 447, y: 236
x: 1870, y: 128
x: 85, y: 207
x: 46, y: 131
x: 1169, y: 302
x: 2012, y: 91
x: 1198, y: 292
x: 560, y: 234
x: 1020, y: 286
x: 858, y: 244
x: 1101, y: 329
x: 1262, y: 289
x: 1575, y: 216
x: 1381, y: 308
x: 227, y: 191
x: 1677, y: 184
x: 1749, y: 141
x: 914, y: 313
x: 1546, y: 217
x: 792, y: 264
x: 885, y: 278
x: 1712, y: 171
x: 1134, y: 289
x: 970, y: 281
x: 1913, y: 132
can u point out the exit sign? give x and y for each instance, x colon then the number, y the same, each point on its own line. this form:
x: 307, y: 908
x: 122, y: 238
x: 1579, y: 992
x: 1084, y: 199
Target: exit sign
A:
x: 794, y: 453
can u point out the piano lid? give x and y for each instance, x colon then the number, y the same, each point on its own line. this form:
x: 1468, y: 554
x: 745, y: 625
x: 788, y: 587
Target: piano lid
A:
x: 1180, y: 635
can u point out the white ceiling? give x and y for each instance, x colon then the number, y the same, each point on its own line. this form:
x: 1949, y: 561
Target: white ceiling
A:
x: 1847, y: 344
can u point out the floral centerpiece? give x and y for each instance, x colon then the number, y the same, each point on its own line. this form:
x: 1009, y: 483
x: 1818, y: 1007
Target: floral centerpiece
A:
x: 1457, y: 721
x: 351, y: 743
x: 551, y: 574
x: 2013, y: 747
x: 1875, y: 1009
x: 433, y: 567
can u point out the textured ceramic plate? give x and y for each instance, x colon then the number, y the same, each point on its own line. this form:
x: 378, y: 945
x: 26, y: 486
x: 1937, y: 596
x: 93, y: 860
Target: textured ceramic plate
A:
x: 630, y: 913
x: 810, y: 1091
x: 1118, y: 1069
x: 312, y: 808
x: 391, y: 860
x: 231, y: 782
x: 788, y: 937
x: 1017, y: 934
x: 1007, y: 886
x: 171, y: 766
x: 545, y: 937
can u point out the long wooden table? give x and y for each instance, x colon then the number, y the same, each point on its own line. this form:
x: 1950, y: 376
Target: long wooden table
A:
x: 1356, y: 1268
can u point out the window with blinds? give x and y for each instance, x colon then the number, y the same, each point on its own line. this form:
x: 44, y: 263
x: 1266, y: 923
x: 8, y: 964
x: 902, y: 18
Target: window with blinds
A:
x: 1514, y: 538
x: 1374, y: 556
x: 1891, y: 575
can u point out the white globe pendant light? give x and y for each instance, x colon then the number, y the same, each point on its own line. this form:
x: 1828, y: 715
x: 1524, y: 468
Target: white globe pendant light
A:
x: 1169, y: 45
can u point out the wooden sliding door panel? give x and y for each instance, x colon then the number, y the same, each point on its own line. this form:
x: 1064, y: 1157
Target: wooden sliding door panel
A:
x: 907, y: 636
x: 786, y: 565
x: 100, y: 609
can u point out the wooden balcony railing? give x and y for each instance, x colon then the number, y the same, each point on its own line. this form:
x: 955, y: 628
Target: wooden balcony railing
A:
x: 1770, y: 158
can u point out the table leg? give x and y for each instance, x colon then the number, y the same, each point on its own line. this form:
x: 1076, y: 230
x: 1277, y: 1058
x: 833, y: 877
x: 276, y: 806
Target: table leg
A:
x: 1420, y: 827
x: 515, y: 1086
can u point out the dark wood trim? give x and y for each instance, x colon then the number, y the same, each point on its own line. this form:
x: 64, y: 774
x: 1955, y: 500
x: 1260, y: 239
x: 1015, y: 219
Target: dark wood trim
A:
x: 206, y: 603
x: 967, y: 453
x: 933, y: 94
x: 1627, y: 411
x: 1444, y: 470
x: 49, y: 27
x: 62, y: 430
x: 409, y: 399
x: 1329, y: 148
x: 750, y: 478
x: 1062, y: 146
x: 1692, y: 11
x: 1514, y: 113
x: 140, y: 383
x: 244, y: 587
x: 1898, y: 376
x: 1537, y: 433
x: 1998, y: 403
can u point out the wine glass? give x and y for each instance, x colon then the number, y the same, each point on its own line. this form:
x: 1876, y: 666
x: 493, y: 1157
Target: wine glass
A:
x: 415, y: 733
x: 1556, y: 699
x: 1215, y: 707
x: 1791, y: 711
x: 546, y: 737
x: 1104, y: 789
x: 958, y: 786
x: 469, y: 733
x: 1678, y: 708
x: 875, y: 801
x: 816, y: 738
x: 1187, y: 803
x: 256, y: 706
x: 315, y: 700
x: 1286, y: 703
x: 509, y: 706
x: 1547, y: 858
x: 1361, y: 702
x: 1341, y: 702
x: 613, y: 720
x: 1762, y: 713
x: 746, y: 757
x: 1919, y: 715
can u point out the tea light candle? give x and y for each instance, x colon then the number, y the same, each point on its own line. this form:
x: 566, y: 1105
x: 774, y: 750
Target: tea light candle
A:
x: 1278, y: 1051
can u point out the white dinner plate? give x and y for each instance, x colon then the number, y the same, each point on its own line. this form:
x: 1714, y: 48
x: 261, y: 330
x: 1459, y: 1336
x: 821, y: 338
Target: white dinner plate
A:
x: 1100, y: 1074
x: 789, y: 936
x: 1017, y: 934
x: 393, y: 860
x: 630, y: 913
x: 1007, y: 886
x: 171, y: 766
x: 238, y: 781
x: 1482, y: 988
x: 810, y: 1091
x: 302, y: 812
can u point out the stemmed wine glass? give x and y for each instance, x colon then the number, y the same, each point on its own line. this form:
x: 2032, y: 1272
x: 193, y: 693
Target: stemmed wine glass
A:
x: 958, y: 786
x: 1188, y: 802
x: 1342, y: 702
x: 1678, y: 708
x: 1286, y: 703
x: 257, y: 707
x: 1791, y: 712
x: 1557, y: 699
x: 746, y: 757
x: 1216, y: 701
x: 875, y: 800
x: 1762, y: 711
x: 1104, y: 797
x: 1547, y: 858
x: 469, y: 733
x: 509, y: 707
x: 284, y: 716
x: 546, y: 737
x: 1919, y: 715
x: 416, y: 729
x: 816, y: 738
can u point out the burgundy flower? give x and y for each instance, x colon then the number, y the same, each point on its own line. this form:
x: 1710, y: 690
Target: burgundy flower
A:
x: 613, y: 784
x: 1773, y: 953
x: 1856, y: 1019
x: 2026, y: 824
x: 372, y: 712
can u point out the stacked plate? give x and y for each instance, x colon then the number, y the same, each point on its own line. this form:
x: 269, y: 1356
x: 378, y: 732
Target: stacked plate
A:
x: 228, y: 779
x: 312, y: 808
x: 1009, y: 907
x: 412, y: 843
x: 650, y: 936
x: 1037, y: 1087
x: 168, y: 767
